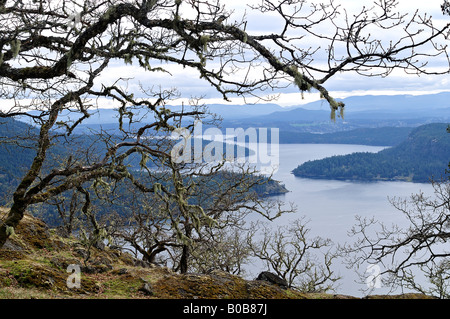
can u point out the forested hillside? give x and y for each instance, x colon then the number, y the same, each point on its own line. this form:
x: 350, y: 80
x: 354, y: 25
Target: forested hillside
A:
x: 423, y: 155
x: 17, y: 153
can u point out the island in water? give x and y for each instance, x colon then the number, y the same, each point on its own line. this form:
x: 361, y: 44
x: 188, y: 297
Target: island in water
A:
x: 425, y: 154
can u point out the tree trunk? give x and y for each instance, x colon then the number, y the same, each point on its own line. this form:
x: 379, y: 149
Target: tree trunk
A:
x: 151, y: 257
x: 14, y: 217
x: 184, y: 259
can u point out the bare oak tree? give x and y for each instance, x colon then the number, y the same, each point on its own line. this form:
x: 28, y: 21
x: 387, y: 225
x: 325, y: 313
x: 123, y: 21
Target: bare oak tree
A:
x: 53, y: 55
x: 413, y: 257
x: 303, y: 261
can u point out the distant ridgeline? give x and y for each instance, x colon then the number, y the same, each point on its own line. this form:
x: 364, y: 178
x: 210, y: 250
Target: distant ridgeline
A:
x: 425, y: 154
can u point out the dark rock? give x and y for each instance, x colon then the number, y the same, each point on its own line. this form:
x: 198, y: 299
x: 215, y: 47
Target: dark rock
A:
x: 142, y: 263
x: 103, y: 263
x: 122, y: 271
x: 99, y: 245
x: 88, y: 269
x: 273, y: 279
x: 9, y: 245
x: 95, y: 268
x: 146, y: 289
x: 50, y: 281
x: 81, y: 252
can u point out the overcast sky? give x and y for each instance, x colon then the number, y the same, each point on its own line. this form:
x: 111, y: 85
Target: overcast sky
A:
x: 398, y: 82
x: 341, y: 85
x: 347, y: 84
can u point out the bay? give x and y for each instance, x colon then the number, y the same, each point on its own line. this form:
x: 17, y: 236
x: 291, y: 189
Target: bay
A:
x: 331, y: 206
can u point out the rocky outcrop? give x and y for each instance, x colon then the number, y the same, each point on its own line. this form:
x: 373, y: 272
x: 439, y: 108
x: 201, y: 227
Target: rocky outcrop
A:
x: 221, y: 285
x: 273, y: 279
x: 36, y: 260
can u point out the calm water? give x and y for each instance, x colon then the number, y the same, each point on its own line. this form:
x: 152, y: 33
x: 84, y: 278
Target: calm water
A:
x: 331, y: 206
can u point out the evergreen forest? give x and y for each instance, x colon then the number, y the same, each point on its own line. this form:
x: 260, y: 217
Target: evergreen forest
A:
x: 423, y: 156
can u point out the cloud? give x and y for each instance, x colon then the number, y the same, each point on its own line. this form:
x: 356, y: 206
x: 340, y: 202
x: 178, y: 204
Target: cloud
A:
x: 190, y: 84
x: 398, y: 80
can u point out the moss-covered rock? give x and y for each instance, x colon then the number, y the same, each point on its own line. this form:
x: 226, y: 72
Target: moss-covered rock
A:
x: 30, y: 235
x: 218, y: 285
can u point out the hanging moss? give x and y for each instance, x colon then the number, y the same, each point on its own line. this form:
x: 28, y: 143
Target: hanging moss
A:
x: 157, y: 188
x: 128, y: 58
x: 204, y: 39
x: 336, y: 106
x: 299, y: 81
x: 9, y: 231
x: 100, y: 182
x: 15, y: 47
x: 144, y: 160
x: 144, y: 63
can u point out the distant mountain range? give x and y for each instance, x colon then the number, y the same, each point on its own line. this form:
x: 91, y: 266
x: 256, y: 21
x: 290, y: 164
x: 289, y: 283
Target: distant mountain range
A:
x: 402, y: 103
x: 424, y: 154
x: 360, y: 112
x: 303, y: 124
